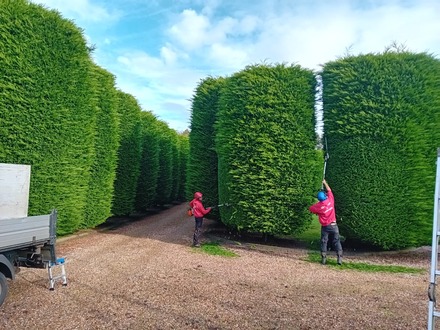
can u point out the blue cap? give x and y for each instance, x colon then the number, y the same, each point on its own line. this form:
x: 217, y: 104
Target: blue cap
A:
x: 322, y: 196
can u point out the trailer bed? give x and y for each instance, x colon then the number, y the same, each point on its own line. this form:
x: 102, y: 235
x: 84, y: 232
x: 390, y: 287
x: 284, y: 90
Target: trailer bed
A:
x: 25, y: 232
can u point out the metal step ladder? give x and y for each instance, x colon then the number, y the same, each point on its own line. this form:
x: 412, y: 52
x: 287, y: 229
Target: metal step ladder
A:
x: 59, y: 263
x: 433, y: 312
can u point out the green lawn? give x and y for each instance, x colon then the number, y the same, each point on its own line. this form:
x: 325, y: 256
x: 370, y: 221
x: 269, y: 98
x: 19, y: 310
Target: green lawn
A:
x: 214, y: 248
x: 364, y: 267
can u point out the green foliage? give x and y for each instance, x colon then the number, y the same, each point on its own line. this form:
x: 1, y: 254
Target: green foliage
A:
x: 167, y: 143
x: 382, y: 122
x: 176, y: 167
x: 183, y: 161
x: 103, y: 171
x: 215, y: 249
x: 129, y: 155
x: 61, y: 114
x: 47, y: 110
x: 147, y: 183
x: 203, y: 161
x: 265, y: 139
x: 179, y: 169
x: 366, y: 267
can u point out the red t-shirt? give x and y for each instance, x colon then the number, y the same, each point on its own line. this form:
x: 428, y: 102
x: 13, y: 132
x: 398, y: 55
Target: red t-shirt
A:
x: 325, y: 209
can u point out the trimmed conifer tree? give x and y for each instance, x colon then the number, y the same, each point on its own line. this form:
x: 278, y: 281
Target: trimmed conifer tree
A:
x: 47, y: 110
x: 165, y: 178
x: 265, y: 140
x: 202, y: 167
x: 382, y: 123
x: 103, y: 171
x: 176, y: 165
x: 129, y: 155
x: 183, y: 160
x: 148, y: 178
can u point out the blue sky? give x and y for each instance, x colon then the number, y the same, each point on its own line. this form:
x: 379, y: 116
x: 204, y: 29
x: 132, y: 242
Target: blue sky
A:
x: 159, y: 50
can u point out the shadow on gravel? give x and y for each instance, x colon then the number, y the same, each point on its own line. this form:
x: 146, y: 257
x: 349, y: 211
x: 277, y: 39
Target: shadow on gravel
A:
x: 117, y: 222
x: 215, y: 231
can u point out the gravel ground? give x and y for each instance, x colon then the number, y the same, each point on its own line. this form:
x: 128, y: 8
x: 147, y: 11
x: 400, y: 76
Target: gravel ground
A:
x: 146, y: 275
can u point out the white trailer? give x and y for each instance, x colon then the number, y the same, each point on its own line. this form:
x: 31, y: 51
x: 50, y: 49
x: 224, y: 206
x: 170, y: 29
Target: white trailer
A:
x: 24, y: 241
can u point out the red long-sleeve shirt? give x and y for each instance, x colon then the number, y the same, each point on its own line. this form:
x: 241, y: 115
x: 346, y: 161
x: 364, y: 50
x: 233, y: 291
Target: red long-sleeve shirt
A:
x: 325, y: 209
x: 198, y: 209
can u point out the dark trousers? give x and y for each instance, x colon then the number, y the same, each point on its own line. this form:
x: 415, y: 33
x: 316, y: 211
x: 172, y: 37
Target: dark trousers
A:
x: 197, y: 231
x: 333, y: 231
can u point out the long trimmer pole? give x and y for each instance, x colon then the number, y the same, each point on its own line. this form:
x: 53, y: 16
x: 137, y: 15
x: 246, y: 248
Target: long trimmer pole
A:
x: 326, y: 157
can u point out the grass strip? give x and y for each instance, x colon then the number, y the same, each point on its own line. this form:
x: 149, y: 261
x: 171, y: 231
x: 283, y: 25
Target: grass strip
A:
x: 365, y: 267
x: 214, y: 248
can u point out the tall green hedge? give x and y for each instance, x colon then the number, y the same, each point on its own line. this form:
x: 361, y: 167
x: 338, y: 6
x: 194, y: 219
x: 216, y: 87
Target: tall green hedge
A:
x: 174, y: 138
x: 183, y: 160
x: 166, y: 150
x: 103, y: 171
x: 129, y: 155
x: 202, y: 173
x: 148, y: 178
x: 47, y: 108
x: 382, y: 122
x: 265, y: 139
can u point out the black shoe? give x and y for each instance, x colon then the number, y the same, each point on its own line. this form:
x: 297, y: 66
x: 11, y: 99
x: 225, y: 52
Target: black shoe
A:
x: 323, y: 260
x: 339, y: 260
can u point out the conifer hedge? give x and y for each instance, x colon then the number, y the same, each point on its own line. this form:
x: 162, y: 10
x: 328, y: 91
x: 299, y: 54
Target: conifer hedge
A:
x: 265, y: 139
x: 148, y: 178
x: 129, y: 155
x: 47, y: 108
x: 202, y: 173
x: 103, y: 171
x: 183, y: 159
x: 166, y: 163
x: 176, y: 167
x: 382, y: 122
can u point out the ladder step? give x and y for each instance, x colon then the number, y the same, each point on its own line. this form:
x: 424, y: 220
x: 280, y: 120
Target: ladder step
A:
x: 436, y: 313
x: 437, y: 272
x: 59, y: 263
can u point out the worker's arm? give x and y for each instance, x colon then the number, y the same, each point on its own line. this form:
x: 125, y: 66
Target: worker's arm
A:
x: 327, y: 187
x: 329, y: 191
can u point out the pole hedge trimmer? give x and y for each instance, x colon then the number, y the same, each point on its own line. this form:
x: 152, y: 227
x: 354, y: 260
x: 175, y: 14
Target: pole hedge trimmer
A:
x: 326, y: 157
x: 190, y: 212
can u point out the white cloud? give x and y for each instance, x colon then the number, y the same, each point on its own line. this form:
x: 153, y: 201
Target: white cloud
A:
x: 143, y: 65
x: 168, y: 55
x: 191, y: 31
x: 228, y: 58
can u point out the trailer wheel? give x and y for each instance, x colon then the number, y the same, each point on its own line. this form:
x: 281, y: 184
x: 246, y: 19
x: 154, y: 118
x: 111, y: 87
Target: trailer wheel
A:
x: 3, y: 288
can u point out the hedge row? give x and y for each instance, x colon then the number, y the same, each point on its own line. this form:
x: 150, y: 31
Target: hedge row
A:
x: 47, y: 117
x: 61, y: 114
x: 107, y: 135
x: 382, y: 123
x: 255, y: 131
x: 203, y: 161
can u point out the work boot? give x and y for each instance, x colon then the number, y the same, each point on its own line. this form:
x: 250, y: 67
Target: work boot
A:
x: 339, y: 259
x: 323, y: 259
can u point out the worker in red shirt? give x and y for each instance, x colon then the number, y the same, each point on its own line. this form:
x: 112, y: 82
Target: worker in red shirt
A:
x: 199, y: 212
x: 325, y: 209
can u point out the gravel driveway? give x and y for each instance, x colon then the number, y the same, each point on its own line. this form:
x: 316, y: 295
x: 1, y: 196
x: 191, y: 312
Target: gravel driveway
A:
x: 145, y: 275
